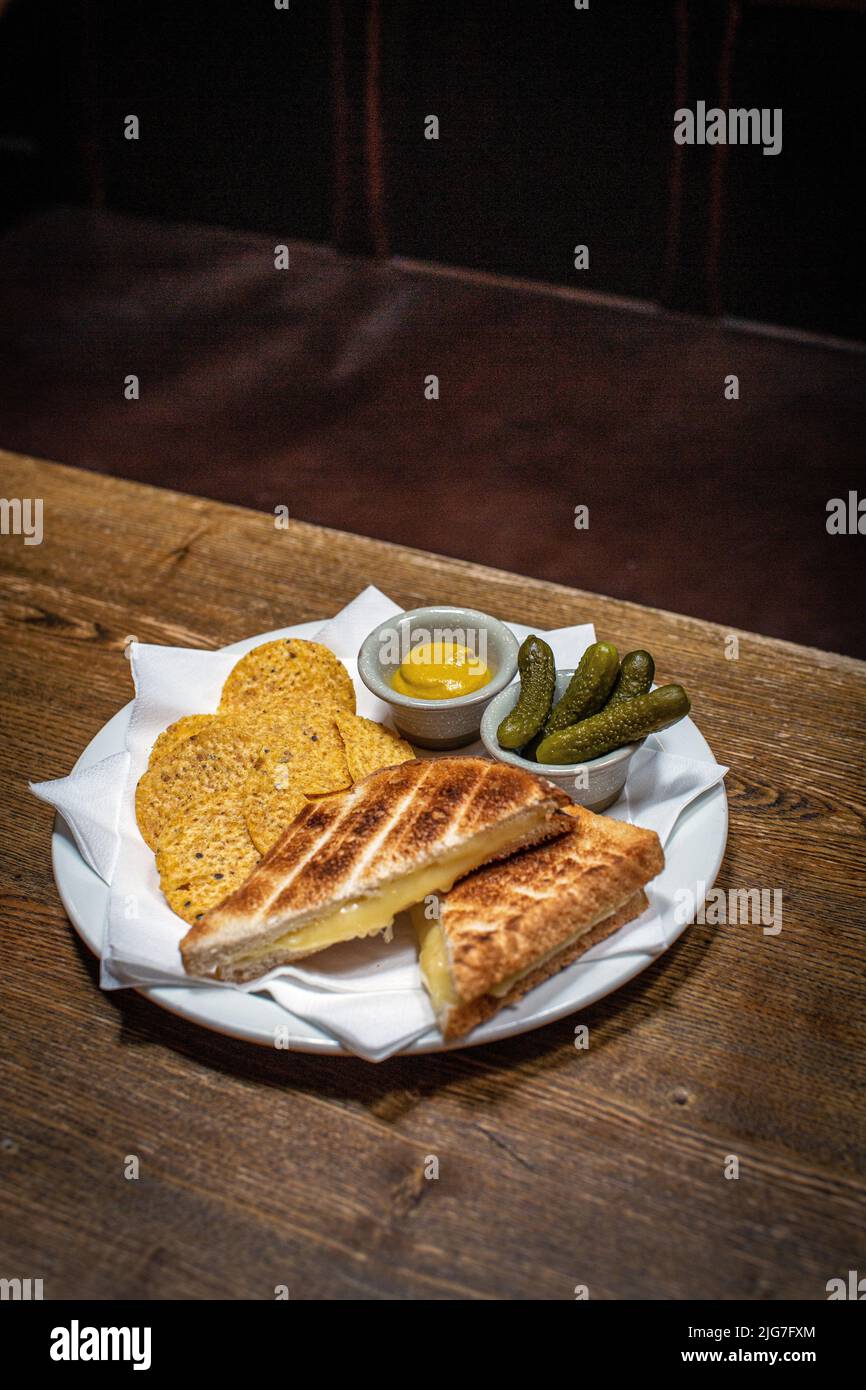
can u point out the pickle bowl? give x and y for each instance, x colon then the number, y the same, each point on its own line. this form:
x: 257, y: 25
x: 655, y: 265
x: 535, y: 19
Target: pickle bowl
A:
x: 594, y: 784
x: 454, y: 721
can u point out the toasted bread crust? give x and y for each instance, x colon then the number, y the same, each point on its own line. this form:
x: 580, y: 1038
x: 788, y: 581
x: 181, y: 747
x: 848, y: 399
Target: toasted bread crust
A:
x: 352, y: 842
x: 501, y: 918
x: 464, y: 1017
x: 240, y: 971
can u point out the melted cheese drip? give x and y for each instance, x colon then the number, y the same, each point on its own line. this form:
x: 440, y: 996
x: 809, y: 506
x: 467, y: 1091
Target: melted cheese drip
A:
x: 433, y: 960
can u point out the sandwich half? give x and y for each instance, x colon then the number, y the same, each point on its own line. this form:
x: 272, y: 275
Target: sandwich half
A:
x: 508, y: 927
x: 352, y: 861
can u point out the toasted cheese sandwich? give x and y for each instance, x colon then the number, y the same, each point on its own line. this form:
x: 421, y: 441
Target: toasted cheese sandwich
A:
x: 352, y: 861
x: 508, y: 927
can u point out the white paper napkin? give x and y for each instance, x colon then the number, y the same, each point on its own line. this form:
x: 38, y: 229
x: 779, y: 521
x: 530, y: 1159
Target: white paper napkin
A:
x: 367, y: 994
x: 89, y: 802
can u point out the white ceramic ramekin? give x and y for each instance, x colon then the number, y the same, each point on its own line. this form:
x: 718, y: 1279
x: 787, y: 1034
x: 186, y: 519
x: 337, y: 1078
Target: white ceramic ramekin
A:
x: 438, y: 723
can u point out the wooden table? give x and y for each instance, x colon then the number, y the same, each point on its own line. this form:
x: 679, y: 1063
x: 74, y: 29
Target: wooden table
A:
x: 557, y: 1167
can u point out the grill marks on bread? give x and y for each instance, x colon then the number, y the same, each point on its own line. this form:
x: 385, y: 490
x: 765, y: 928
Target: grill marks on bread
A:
x: 351, y: 837
x: 377, y: 833
x: 502, y: 917
x: 348, y: 844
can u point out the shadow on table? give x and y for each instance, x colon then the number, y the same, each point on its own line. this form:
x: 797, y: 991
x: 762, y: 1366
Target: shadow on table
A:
x: 393, y: 1088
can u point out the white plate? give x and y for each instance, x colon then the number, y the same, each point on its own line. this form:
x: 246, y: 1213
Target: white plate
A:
x: 693, y: 855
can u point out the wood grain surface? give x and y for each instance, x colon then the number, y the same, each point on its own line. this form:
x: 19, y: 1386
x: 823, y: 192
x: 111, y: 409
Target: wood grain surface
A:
x: 557, y: 1167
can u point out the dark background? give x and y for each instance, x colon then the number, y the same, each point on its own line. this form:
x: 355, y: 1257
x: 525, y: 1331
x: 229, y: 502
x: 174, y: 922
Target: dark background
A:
x: 556, y: 128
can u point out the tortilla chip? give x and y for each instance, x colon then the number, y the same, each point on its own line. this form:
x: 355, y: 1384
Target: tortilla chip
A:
x: 269, y: 810
x: 215, y: 762
x: 176, y: 733
x: 203, y: 854
x: 285, y: 676
x: 305, y: 752
x: 370, y: 746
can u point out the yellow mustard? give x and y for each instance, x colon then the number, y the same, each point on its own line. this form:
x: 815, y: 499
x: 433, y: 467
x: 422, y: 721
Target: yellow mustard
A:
x: 440, y: 671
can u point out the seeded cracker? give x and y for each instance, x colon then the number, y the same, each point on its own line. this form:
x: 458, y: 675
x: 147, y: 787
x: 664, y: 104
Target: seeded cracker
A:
x: 289, y: 675
x: 304, y: 751
x: 203, y: 854
x: 176, y: 733
x: 370, y: 746
x: 216, y: 761
x: 268, y: 810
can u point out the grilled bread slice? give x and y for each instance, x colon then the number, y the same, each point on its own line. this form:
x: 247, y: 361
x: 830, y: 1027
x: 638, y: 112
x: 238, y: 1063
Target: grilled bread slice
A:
x: 511, y: 925
x: 351, y: 861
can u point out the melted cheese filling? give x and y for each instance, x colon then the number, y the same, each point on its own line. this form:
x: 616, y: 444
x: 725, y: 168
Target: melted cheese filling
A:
x: 364, y: 916
x: 433, y: 960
